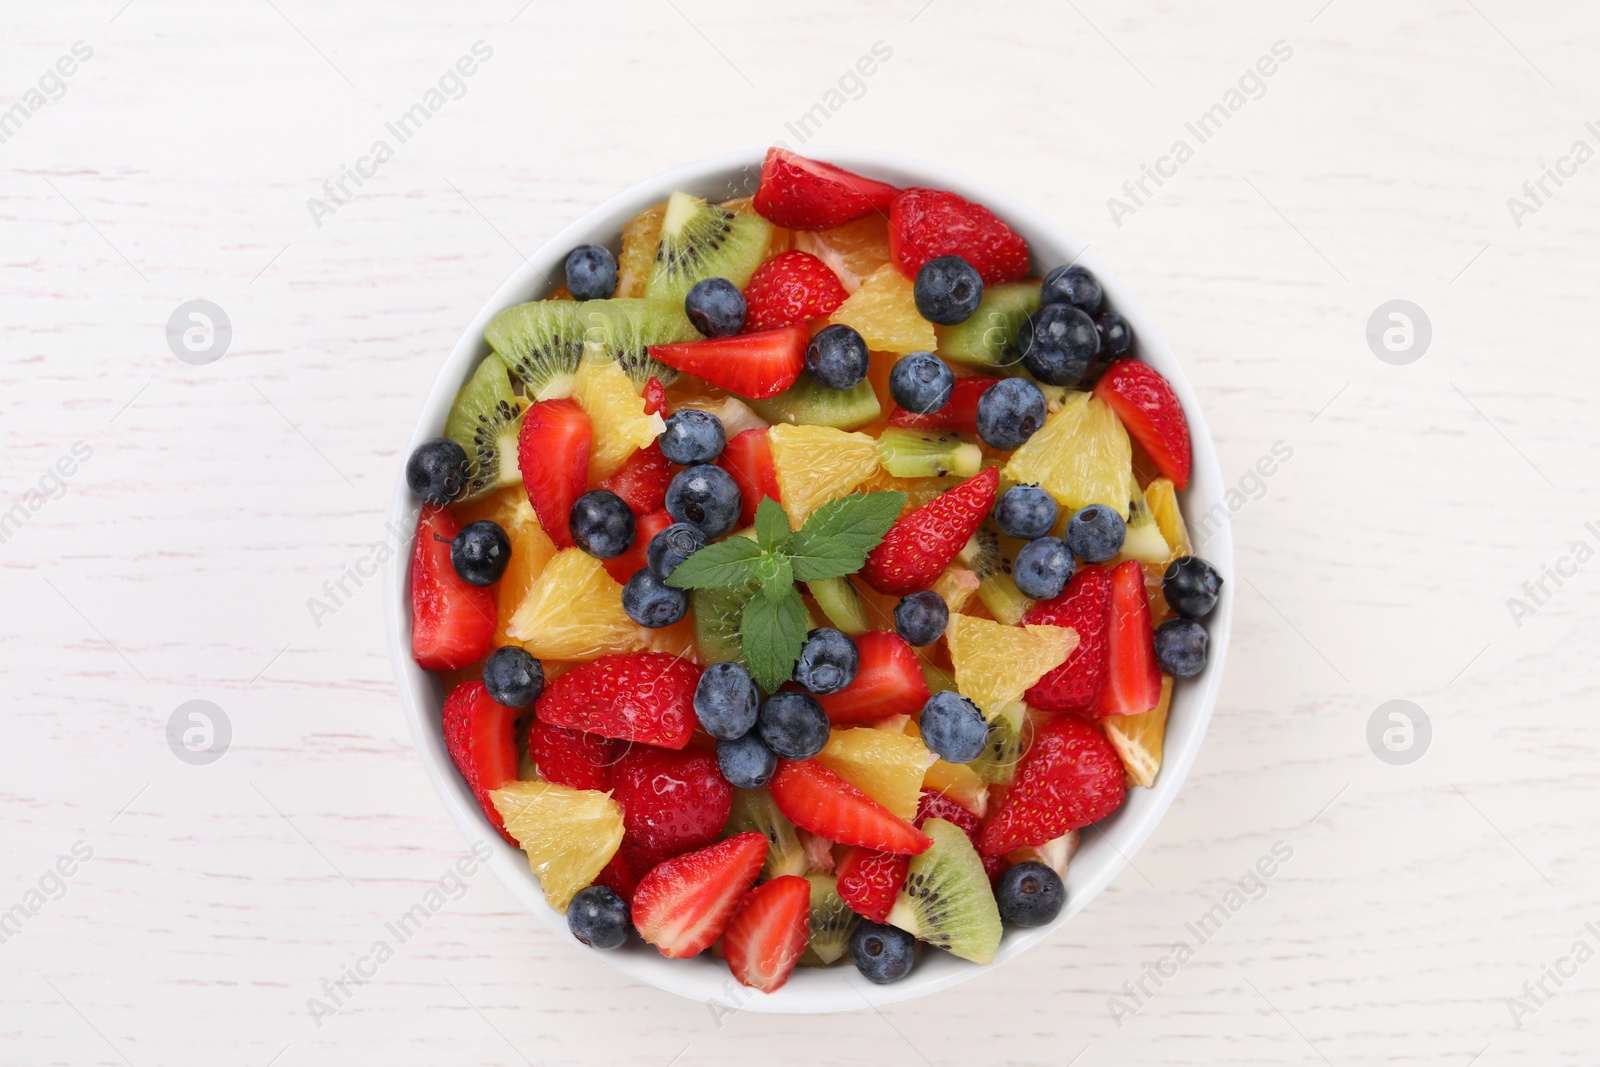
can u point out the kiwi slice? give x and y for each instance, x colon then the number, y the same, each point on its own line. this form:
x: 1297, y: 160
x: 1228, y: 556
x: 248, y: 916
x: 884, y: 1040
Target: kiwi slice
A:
x: 1144, y: 541
x: 842, y: 605
x: 998, y: 763
x: 946, y: 900
x: 717, y: 616
x: 939, y: 680
x: 624, y: 330
x: 543, y: 342
x: 989, y: 555
x: 917, y: 454
x: 989, y: 338
x: 754, y: 809
x: 831, y: 922
x: 700, y: 240
x: 805, y: 403
x: 485, y: 420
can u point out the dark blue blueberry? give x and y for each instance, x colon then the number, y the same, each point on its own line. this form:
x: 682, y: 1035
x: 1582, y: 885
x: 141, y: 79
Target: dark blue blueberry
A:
x: 1116, y: 338
x: 652, y: 603
x: 1026, y: 512
x: 792, y: 724
x: 828, y: 661
x: 921, y: 617
x: 706, y: 497
x: 480, y: 552
x: 1095, y: 533
x: 746, y: 762
x: 726, y: 701
x: 953, y: 728
x: 1030, y: 894
x: 921, y: 382
x: 882, y: 954
x: 1191, y: 586
x: 1059, y: 344
x: 1181, y: 647
x: 591, y: 273
x: 947, y: 290
x: 513, y: 677
x: 601, y: 523
x: 1010, y: 412
x: 837, y: 357
x: 692, y: 437
x: 672, y: 546
x: 1042, y: 568
x: 716, y: 307
x: 438, y: 470
x: 1072, y: 285
x: 599, y: 917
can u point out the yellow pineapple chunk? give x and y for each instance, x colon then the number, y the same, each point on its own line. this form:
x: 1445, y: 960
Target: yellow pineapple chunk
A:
x: 574, y: 612
x: 886, y: 766
x: 996, y: 664
x: 1081, y: 456
x: 569, y: 834
x: 884, y: 312
x: 616, y: 412
x: 1137, y: 738
x: 816, y: 464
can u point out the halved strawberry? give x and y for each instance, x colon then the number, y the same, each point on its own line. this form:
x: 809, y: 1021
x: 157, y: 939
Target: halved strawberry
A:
x: 869, y: 881
x: 655, y: 397
x: 804, y: 194
x: 935, y: 805
x: 571, y: 757
x: 816, y: 799
x: 1085, y: 605
x: 959, y: 414
x: 671, y: 802
x: 1133, y: 678
x: 748, y: 457
x: 616, y: 877
x: 768, y: 933
x: 553, y: 452
x: 925, y: 224
x: 1071, y: 777
x: 646, y: 526
x: 888, y: 682
x: 637, y: 696
x: 480, y: 735
x: 755, y: 365
x: 1148, y: 407
x: 790, y: 287
x: 642, y: 482
x: 452, y: 623
x: 684, y: 904
x: 920, y: 546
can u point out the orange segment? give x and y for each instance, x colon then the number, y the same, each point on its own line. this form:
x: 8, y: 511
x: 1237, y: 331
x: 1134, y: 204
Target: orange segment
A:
x: 854, y: 251
x: 616, y: 413
x: 884, y: 312
x: 640, y: 237
x: 574, y: 612
x: 995, y: 664
x: 531, y: 549
x: 1138, y: 738
x: 886, y: 766
x: 1081, y: 456
x: 569, y: 834
x: 816, y: 464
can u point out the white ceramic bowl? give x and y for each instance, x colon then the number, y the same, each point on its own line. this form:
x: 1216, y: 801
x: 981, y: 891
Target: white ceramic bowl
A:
x: 1101, y: 856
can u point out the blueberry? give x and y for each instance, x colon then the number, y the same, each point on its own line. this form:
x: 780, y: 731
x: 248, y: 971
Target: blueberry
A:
x: 947, y: 290
x: 828, y: 661
x: 921, y: 617
x: 480, y: 552
x: 1181, y: 647
x: 1042, y: 568
x: 837, y: 357
x: 792, y: 724
x: 1115, y: 335
x: 1010, y: 412
x: 746, y: 762
x: 1030, y: 894
x: 716, y: 307
x: 1026, y: 512
x: 692, y: 436
x: 591, y: 273
x: 1191, y: 586
x: 1095, y: 533
x: 513, y: 677
x: 672, y: 546
x: 599, y: 917
x: 706, y: 497
x: 953, y: 728
x: 726, y: 701
x: 921, y: 383
x: 601, y: 523
x: 1059, y: 344
x: 438, y: 470
x: 652, y: 603
x: 1072, y: 285
x: 882, y: 954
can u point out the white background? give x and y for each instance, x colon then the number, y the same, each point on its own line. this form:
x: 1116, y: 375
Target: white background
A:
x: 1376, y: 563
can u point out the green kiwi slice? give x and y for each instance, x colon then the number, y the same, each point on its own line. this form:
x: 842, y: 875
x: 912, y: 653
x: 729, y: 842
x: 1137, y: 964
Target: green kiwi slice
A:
x: 946, y: 900
x: 805, y: 403
x: 485, y: 420
x: 544, y: 342
x: 1144, y: 541
x: 700, y: 240
x: 717, y: 617
x: 831, y: 922
x: 754, y: 809
x: 989, y: 555
x: 917, y: 454
x: 988, y: 339
x: 998, y: 763
x: 842, y: 605
x: 624, y: 329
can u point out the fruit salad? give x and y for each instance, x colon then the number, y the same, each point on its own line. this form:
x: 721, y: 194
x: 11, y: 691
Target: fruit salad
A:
x: 804, y: 574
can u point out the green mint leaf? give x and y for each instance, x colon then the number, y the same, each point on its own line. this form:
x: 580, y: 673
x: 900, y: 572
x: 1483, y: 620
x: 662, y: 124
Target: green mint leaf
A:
x: 777, y: 578
x: 772, y: 524
x: 837, y: 537
x: 724, y: 565
x: 771, y: 633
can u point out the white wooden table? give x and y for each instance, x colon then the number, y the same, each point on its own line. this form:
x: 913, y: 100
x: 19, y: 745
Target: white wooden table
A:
x: 176, y: 560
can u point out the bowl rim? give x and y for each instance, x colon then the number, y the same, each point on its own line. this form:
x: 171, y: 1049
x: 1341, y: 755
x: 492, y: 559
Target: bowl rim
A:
x: 1100, y: 858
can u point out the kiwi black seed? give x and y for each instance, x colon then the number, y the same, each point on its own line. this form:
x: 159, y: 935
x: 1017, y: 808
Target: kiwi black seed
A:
x: 700, y: 240
x: 831, y: 922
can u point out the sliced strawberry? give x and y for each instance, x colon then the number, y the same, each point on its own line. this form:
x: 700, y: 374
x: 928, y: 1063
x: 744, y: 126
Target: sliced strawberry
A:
x: 869, y: 881
x: 816, y: 799
x: 803, y: 194
x: 768, y: 933
x: 671, y: 802
x: 755, y: 365
x: 994, y: 867
x: 925, y: 224
x: 920, y: 546
x: 616, y: 877
x: 553, y: 452
x: 655, y: 397
x: 646, y: 526
x: 1133, y: 678
x: 1148, y: 407
x: 790, y: 287
x: 748, y: 457
x: 1085, y: 605
x: 684, y: 904
x: 480, y: 735
x: 642, y: 482
x: 888, y: 682
x: 935, y: 805
x: 571, y: 757
x: 639, y: 696
x: 452, y: 623
x: 959, y: 414
x: 1071, y: 777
